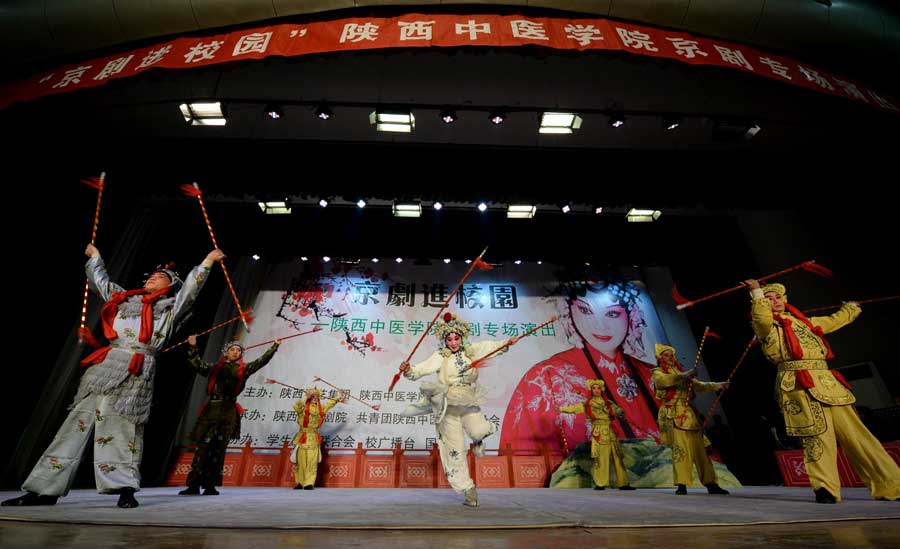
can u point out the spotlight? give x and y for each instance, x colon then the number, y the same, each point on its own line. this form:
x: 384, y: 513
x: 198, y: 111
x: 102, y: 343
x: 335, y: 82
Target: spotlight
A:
x: 374, y: 260
x: 399, y: 260
x: 497, y: 117
x: 482, y: 206
x: 448, y: 116
x: 518, y: 262
x: 274, y: 112
x: 447, y: 260
x: 671, y: 122
x: 323, y: 112
x: 438, y: 205
x: 304, y: 258
x: 323, y: 203
x: 360, y: 203
x: 566, y: 209
x: 617, y: 120
x: 326, y: 259
x: 255, y: 257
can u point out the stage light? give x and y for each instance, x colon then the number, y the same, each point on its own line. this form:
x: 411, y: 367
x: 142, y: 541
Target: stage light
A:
x: 407, y: 209
x: 401, y: 121
x: 203, y: 114
x: 636, y: 215
x: 278, y: 207
x: 274, y: 112
x: 559, y: 122
x: 323, y: 112
x: 520, y: 211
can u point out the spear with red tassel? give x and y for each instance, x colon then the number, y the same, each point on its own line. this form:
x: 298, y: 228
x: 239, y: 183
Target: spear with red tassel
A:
x: 753, y: 341
x: 809, y: 266
x: 863, y: 302
x: 375, y: 407
x: 271, y: 381
x: 706, y: 333
x: 85, y: 335
x: 255, y: 345
x: 194, y: 191
x: 477, y: 263
x: 247, y: 317
x: 480, y: 362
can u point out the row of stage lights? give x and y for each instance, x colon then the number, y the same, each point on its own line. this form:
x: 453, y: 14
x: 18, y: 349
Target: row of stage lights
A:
x: 447, y: 261
x: 513, y: 211
x: 212, y: 113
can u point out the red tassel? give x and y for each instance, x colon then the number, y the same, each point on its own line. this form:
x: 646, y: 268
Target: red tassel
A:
x: 394, y: 381
x: 248, y: 316
x: 94, y: 182
x: 482, y: 265
x: 85, y: 336
x: 755, y: 342
x: 679, y: 299
x: 815, y: 268
x: 270, y: 381
x: 712, y: 334
x: 190, y: 190
x: 804, y: 379
x: 482, y: 363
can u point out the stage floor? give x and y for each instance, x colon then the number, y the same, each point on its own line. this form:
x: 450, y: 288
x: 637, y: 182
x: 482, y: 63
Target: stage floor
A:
x: 410, y: 509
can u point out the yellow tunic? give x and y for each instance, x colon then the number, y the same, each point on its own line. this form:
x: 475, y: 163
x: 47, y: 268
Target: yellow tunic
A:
x: 675, y: 411
x: 308, y: 452
x: 802, y: 408
x: 604, y: 444
x: 821, y: 414
x: 679, y: 426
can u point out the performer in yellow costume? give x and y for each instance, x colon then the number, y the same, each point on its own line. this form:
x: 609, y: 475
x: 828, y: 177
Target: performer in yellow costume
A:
x: 816, y: 402
x: 604, y: 444
x: 308, y: 454
x: 679, y: 427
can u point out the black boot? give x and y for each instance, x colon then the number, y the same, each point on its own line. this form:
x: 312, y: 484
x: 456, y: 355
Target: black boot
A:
x: 682, y: 490
x: 599, y: 487
x: 126, y: 499
x: 30, y: 498
x: 308, y: 487
x: 627, y: 487
x: 190, y: 491
x: 210, y: 491
x: 298, y: 487
x: 716, y: 489
x: 824, y: 496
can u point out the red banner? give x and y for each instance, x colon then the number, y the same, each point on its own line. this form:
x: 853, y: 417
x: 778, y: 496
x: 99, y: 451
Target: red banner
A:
x: 422, y: 31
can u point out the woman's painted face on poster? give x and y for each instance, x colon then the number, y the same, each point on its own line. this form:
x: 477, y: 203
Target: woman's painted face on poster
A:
x: 601, y: 320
